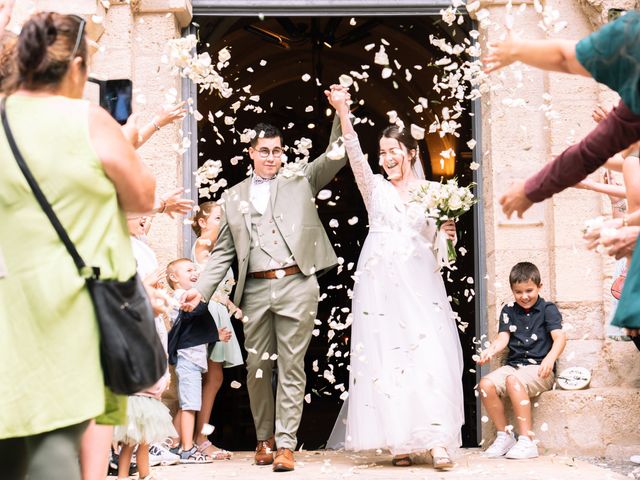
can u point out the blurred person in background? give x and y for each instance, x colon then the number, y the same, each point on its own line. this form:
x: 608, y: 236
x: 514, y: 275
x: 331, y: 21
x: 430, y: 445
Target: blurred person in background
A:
x: 49, y: 357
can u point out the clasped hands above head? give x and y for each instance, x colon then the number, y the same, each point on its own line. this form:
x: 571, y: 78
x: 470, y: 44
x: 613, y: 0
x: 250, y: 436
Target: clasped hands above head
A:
x: 338, y: 97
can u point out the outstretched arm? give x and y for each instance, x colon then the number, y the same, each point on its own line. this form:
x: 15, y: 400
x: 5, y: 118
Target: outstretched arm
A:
x: 358, y: 161
x: 554, y: 55
x: 322, y: 170
x: 606, y: 188
x: 618, y: 131
x: 496, y: 347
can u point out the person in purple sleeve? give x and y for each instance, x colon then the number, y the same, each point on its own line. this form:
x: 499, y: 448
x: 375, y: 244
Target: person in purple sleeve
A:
x: 611, y: 56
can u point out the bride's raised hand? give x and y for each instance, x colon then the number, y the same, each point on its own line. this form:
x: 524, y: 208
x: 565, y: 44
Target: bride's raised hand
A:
x: 338, y: 97
x: 449, y: 229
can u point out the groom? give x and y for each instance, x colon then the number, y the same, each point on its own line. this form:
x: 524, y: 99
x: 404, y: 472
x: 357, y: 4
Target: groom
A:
x: 271, y: 225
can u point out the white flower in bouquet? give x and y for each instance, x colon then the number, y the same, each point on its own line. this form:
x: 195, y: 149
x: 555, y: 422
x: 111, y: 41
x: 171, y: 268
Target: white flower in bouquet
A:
x: 442, y: 202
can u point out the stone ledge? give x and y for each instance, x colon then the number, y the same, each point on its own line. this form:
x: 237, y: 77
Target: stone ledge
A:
x: 595, y: 421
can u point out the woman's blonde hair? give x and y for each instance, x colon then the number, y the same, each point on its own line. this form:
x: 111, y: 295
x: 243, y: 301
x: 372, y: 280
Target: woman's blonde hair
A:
x: 44, y: 50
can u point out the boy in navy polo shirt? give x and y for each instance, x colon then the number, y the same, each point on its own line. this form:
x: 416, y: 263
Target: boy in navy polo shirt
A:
x: 532, y: 329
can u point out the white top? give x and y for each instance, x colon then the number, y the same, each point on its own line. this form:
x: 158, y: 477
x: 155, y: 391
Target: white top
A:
x: 259, y: 195
x: 146, y: 261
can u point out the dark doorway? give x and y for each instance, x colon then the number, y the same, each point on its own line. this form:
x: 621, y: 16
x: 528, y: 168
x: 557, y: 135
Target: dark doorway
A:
x: 273, y: 56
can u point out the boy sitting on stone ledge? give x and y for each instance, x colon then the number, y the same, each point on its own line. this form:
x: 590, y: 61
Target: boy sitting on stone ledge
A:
x: 532, y: 329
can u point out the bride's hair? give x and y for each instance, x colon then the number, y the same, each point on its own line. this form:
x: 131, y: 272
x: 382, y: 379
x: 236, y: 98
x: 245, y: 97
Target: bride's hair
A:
x: 403, y: 136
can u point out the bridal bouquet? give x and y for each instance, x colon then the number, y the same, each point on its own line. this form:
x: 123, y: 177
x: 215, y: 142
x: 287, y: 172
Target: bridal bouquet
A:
x: 442, y: 202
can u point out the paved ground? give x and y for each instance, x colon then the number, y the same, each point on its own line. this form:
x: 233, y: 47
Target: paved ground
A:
x: 336, y: 465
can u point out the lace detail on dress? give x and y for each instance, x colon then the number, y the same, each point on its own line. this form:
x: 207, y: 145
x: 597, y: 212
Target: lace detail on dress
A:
x: 360, y: 167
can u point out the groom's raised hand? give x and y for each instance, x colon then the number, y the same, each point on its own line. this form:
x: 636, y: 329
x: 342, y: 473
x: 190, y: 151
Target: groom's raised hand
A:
x: 190, y: 300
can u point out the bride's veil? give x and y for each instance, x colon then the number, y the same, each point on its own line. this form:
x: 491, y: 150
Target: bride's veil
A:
x: 418, y: 168
x: 339, y: 433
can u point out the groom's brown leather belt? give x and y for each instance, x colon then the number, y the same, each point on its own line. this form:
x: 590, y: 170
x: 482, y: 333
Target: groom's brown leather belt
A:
x: 276, y: 272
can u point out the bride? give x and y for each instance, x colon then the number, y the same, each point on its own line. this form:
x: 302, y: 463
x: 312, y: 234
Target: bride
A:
x: 405, y: 387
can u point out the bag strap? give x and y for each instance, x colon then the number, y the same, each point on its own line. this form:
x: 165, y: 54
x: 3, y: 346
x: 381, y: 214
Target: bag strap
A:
x: 92, y: 272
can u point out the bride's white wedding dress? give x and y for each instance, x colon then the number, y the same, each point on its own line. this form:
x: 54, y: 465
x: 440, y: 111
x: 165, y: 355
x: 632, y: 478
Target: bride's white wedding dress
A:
x: 405, y: 386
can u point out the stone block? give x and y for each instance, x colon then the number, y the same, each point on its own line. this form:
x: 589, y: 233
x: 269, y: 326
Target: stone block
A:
x: 587, y: 354
x: 582, y: 320
x: 595, y: 421
x: 181, y: 9
x: 586, y: 422
x: 621, y: 361
x: 571, y: 264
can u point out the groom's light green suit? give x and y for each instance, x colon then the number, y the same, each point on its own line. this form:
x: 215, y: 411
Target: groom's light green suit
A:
x: 280, y: 311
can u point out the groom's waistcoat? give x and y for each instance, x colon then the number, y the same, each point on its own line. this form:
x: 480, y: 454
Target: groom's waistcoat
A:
x: 267, y: 242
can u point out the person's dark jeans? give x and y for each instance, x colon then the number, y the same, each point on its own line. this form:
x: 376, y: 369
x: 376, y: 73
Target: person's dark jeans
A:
x: 46, y: 456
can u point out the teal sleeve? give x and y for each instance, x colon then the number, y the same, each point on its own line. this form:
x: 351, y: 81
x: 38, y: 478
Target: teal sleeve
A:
x: 612, y: 56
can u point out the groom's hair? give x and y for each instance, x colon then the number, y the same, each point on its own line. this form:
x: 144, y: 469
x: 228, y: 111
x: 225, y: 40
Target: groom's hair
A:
x: 266, y: 130
x: 523, y: 272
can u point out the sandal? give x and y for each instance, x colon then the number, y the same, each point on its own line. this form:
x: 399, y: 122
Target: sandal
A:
x: 442, y: 462
x: 402, y: 461
x: 216, y: 453
x: 194, y: 456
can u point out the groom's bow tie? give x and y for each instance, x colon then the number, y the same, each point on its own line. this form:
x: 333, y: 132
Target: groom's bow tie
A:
x: 257, y: 179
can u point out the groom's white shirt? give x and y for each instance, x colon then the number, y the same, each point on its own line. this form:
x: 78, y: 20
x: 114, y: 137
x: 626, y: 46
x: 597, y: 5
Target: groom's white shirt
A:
x: 259, y: 195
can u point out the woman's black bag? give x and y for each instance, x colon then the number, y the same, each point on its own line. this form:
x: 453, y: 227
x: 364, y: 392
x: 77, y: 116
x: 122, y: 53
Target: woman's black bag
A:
x: 131, y: 352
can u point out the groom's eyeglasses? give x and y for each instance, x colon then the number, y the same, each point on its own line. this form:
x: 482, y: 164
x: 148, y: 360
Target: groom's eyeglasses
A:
x: 265, y: 152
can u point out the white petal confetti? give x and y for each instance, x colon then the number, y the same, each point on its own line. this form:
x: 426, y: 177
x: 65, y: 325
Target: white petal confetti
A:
x: 417, y: 132
x: 324, y: 194
x: 346, y: 81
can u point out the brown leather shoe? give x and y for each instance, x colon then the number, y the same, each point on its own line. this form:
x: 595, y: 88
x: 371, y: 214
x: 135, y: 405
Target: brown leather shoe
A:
x: 284, y: 460
x: 264, y: 451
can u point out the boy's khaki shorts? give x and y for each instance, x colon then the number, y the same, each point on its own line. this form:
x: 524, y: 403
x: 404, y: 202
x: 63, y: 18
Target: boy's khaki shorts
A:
x: 528, y: 376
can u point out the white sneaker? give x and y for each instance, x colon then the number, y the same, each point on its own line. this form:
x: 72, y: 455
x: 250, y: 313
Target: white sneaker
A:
x: 159, y: 455
x: 635, y: 459
x: 525, y: 448
x: 501, y: 445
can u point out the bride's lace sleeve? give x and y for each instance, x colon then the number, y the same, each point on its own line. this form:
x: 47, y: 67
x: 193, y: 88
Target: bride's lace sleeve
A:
x: 360, y: 167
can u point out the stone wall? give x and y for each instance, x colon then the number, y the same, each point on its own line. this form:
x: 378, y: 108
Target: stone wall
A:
x: 516, y: 142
